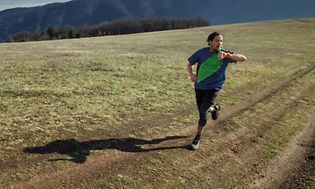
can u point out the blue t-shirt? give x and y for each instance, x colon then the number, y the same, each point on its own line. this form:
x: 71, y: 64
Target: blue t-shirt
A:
x: 217, y: 79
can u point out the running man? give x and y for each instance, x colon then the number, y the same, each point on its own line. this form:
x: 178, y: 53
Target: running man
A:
x: 211, y: 65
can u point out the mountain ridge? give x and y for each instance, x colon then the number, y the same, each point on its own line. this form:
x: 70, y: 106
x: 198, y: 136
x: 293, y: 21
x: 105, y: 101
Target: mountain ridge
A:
x: 94, y: 12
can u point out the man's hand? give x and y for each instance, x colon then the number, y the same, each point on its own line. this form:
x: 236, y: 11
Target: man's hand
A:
x: 193, y: 77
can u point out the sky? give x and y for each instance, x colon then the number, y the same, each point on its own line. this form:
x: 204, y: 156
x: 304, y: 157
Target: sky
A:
x: 7, y: 4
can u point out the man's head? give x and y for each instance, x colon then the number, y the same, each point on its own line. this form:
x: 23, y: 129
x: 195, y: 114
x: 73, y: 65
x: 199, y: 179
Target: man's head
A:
x: 215, y: 40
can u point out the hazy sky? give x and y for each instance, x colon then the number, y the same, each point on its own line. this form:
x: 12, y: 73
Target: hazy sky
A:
x: 6, y: 4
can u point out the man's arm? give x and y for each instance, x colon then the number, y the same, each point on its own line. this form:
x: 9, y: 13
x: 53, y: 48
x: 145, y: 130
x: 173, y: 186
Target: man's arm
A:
x: 235, y: 57
x: 193, y: 77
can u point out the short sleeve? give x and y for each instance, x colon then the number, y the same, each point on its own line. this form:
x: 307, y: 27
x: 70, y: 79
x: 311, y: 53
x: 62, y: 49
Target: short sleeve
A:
x: 194, y: 58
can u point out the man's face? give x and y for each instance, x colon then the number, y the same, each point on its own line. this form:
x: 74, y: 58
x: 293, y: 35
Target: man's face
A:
x: 216, y: 42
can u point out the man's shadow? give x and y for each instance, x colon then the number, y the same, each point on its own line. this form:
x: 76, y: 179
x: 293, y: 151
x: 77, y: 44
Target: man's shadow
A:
x: 79, y: 151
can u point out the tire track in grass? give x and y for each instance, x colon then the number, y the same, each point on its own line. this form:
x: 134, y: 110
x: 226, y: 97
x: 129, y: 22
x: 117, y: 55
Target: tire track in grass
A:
x: 289, y: 167
x: 228, y: 150
x: 263, y: 95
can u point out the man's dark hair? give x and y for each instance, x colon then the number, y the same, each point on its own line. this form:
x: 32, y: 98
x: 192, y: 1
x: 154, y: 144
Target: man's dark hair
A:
x: 212, y: 36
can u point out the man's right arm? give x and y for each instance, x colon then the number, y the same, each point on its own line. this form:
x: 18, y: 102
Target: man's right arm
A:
x: 193, y: 77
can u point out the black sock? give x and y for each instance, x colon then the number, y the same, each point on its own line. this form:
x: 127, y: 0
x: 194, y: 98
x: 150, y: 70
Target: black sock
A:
x: 198, y: 136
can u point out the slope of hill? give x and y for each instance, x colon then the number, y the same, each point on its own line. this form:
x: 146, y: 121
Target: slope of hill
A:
x: 119, y: 111
x: 82, y: 12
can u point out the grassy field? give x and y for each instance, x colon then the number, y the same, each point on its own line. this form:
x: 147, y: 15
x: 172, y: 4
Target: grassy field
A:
x: 103, y: 87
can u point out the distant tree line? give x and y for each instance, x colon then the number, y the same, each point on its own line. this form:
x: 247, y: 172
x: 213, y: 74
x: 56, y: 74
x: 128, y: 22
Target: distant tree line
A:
x: 115, y: 27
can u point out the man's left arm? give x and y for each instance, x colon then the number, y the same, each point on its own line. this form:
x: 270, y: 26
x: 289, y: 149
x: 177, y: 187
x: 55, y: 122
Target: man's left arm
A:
x: 234, y: 57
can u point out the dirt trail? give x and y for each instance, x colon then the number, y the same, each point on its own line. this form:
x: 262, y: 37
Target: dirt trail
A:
x: 231, y: 146
x: 293, y: 165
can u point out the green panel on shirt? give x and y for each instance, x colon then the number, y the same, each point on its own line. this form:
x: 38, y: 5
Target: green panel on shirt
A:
x: 209, y: 67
